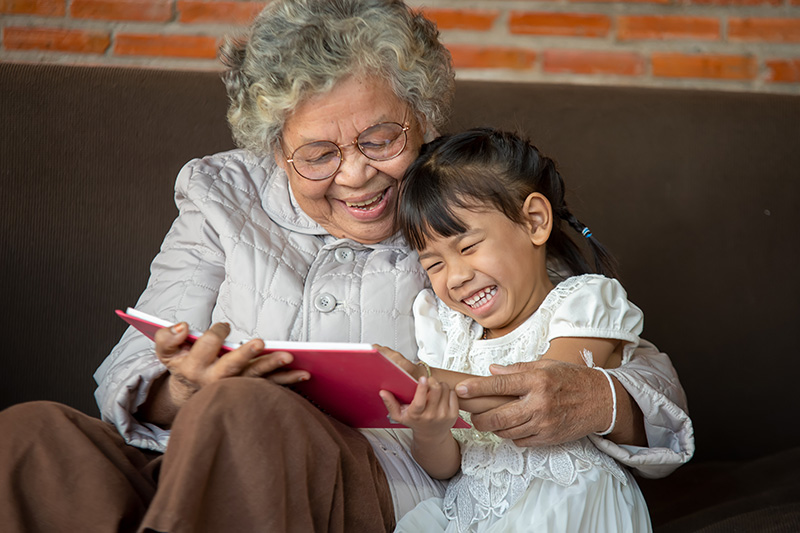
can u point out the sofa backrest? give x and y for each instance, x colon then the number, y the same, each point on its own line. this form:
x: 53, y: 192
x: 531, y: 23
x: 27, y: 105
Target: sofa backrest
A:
x: 88, y: 159
x: 693, y: 191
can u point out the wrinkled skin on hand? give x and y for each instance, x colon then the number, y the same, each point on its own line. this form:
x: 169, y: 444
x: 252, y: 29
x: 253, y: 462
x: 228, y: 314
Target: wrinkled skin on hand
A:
x: 558, y: 402
x: 191, y: 367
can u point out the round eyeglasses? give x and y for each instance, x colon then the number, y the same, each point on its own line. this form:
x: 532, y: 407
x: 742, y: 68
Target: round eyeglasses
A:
x: 320, y: 160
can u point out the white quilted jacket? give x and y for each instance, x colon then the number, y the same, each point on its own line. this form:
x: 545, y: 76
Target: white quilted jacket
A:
x: 242, y: 251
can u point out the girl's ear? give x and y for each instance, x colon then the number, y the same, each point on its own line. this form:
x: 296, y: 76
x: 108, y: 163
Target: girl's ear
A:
x: 538, y: 216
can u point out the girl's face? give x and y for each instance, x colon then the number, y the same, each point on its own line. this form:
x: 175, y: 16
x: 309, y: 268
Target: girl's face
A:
x: 358, y: 201
x: 494, y: 272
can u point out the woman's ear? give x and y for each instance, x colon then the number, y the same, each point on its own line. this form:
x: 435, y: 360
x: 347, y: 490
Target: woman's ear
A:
x: 280, y: 159
x: 538, y: 216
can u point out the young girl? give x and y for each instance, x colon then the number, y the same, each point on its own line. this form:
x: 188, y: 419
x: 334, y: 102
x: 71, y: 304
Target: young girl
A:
x: 484, y: 209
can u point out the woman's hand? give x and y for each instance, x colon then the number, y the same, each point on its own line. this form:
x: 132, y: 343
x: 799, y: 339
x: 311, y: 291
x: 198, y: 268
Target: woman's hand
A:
x: 557, y: 402
x: 191, y: 367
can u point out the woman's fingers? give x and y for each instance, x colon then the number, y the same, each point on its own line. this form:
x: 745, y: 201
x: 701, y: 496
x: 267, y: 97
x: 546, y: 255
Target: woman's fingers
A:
x: 556, y: 402
x: 234, y: 362
x: 207, y: 347
x: 270, y: 366
x: 169, y: 341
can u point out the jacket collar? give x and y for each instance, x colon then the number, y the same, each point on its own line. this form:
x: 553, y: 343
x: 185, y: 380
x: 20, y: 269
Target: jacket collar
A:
x: 280, y: 204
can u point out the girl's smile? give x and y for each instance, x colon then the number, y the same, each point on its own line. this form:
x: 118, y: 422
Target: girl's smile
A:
x: 481, y: 298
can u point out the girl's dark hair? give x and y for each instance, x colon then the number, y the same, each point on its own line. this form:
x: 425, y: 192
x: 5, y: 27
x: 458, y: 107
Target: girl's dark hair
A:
x: 486, y: 167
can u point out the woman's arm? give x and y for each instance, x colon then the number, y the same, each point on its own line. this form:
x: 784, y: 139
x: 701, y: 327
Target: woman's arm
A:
x: 618, y: 408
x: 142, y: 387
x: 556, y: 402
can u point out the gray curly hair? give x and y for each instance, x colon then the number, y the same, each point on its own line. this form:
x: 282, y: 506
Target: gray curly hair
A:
x: 300, y: 48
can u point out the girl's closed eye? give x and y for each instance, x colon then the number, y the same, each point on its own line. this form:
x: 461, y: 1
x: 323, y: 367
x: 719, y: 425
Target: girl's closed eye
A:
x: 470, y: 247
x: 432, y: 267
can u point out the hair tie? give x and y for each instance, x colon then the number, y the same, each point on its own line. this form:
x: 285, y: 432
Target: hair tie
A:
x: 586, y: 233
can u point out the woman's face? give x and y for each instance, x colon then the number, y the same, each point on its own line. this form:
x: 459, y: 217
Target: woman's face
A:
x: 358, y: 202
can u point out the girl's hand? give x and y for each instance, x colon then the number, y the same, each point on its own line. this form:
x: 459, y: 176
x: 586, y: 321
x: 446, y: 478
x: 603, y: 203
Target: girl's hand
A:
x: 431, y: 413
x: 191, y: 367
x: 416, y: 371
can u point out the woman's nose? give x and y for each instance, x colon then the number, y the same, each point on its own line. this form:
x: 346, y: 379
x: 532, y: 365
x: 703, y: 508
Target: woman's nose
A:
x: 355, y: 169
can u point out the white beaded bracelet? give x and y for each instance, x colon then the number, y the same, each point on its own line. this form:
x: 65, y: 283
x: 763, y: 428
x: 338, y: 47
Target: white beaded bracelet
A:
x: 613, y: 402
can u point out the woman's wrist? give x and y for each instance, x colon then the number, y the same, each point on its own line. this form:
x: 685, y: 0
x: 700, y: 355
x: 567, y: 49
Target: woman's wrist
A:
x: 165, y: 397
x: 629, y: 427
x: 613, y: 389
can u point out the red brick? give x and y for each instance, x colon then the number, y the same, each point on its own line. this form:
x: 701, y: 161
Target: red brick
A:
x: 567, y: 24
x: 136, y: 10
x: 192, y: 11
x: 727, y: 67
x: 43, y: 8
x: 593, y: 62
x: 462, y: 19
x: 764, y: 29
x: 783, y: 70
x: 735, y: 2
x: 625, y: 1
x: 469, y: 56
x: 188, y: 46
x: 71, y: 41
x: 657, y: 27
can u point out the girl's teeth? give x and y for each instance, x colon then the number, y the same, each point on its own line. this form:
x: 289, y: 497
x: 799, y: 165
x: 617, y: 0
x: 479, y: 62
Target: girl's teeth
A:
x: 365, y: 205
x: 481, y: 297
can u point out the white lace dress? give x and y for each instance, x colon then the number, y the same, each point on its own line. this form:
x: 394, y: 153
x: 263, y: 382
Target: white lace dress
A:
x: 505, y: 488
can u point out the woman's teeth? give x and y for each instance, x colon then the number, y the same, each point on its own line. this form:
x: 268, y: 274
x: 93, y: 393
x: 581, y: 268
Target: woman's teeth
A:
x: 367, y: 204
x: 480, y: 297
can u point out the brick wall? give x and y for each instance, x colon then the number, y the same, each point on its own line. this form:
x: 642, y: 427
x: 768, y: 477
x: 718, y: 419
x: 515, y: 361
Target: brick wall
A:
x: 740, y: 45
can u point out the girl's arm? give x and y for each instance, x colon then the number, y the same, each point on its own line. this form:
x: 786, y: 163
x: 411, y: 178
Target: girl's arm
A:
x: 606, y: 353
x: 431, y: 414
x: 451, y: 378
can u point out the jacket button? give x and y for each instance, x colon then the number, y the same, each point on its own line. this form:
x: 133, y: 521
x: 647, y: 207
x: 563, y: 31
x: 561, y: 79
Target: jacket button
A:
x: 344, y: 255
x: 325, y: 302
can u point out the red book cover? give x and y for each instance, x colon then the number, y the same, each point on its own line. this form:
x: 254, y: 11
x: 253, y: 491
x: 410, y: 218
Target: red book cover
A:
x: 345, y: 377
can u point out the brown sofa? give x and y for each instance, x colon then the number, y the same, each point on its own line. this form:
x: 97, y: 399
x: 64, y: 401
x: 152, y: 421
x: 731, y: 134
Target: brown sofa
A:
x: 695, y: 192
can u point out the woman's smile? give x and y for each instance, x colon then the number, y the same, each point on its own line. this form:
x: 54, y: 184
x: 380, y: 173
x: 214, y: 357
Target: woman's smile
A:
x: 370, y: 208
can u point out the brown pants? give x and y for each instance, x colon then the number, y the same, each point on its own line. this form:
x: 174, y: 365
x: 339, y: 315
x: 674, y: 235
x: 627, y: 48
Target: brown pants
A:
x: 244, y: 455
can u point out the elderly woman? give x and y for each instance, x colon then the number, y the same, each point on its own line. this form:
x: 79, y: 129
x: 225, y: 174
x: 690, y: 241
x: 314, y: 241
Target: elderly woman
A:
x: 291, y: 237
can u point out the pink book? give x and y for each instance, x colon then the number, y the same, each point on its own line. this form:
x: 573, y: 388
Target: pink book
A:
x: 345, y: 377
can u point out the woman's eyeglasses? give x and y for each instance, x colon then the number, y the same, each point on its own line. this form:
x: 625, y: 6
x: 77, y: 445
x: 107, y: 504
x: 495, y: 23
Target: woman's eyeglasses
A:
x: 320, y: 160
